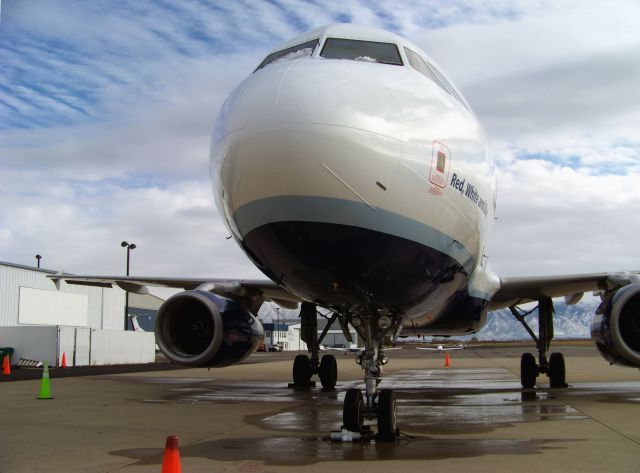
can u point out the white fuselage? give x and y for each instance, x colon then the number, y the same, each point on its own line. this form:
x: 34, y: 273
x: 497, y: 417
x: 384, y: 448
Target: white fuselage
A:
x: 354, y: 144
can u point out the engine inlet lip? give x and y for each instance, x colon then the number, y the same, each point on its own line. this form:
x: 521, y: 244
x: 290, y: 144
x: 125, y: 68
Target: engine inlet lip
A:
x: 621, y: 298
x: 163, y: 319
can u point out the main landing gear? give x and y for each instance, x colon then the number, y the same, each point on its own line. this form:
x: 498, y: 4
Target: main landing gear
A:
x: 552, y: 366
x: 305, y: 366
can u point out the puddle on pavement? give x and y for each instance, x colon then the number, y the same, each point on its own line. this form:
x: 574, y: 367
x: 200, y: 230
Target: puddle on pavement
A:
x: 238, y: 392
x: 438, y: 401
x: 295, y: 451
x: 435, y: 402
x: 432, y: 404
x: 625, y: 392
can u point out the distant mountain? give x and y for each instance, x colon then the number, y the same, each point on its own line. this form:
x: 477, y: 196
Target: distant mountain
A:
x: 570, y: 321
x: 269, y: 313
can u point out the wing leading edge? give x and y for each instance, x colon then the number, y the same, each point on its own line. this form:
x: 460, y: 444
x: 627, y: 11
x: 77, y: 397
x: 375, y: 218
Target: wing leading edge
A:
x: 520, y: 290
x: 232, y: 288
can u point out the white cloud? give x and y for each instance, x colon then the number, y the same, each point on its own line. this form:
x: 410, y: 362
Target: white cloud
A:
x: 557, y: 220
x: 122, y: 104
x: 176, y: 229
x: 552, y: 71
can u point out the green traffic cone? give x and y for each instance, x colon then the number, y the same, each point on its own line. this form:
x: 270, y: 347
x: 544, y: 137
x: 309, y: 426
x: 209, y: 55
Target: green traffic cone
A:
x: 45, y: 387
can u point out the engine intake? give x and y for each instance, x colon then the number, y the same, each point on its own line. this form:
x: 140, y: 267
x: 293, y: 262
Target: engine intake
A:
x: 616, y: 332
x: 198, y: 328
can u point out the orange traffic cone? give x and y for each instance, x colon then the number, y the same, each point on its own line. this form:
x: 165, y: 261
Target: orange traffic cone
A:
x: 171, y: 457
x: 63, y: 363
x: 447, y: 360
x: 6, y: 367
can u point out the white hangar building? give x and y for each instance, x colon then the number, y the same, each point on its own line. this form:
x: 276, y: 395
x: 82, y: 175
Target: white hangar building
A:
x: 40, y: 321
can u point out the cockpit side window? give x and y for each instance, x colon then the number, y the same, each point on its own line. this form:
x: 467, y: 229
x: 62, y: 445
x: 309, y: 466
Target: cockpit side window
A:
x: 290, y: 54
x: 422, y: 67
x: 358, y: 50
x: 430, y: 71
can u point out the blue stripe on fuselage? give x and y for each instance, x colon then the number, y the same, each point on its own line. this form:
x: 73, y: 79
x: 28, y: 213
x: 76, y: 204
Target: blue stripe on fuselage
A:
x: 345, y: 212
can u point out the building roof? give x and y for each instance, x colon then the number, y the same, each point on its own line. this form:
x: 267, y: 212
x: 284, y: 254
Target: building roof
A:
x: 30, y: 268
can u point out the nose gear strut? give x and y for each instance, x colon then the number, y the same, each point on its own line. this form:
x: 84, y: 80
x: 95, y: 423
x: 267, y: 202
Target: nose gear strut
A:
x: 379, y: 404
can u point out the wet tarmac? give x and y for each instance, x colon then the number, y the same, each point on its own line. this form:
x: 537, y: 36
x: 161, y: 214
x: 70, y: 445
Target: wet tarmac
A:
x: 288, y: 451
x: 471, y: 417
x: 431, y: 403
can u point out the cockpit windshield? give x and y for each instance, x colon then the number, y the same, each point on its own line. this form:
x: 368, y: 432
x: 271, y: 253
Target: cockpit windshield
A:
x: 290, y: 54
x: 358, y: 50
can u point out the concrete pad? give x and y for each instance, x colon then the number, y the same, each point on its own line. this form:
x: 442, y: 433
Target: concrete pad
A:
x: 472, y: 416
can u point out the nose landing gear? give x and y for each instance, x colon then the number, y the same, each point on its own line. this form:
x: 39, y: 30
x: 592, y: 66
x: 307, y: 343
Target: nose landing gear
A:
x: 375, y: 404
x: 378, y: 404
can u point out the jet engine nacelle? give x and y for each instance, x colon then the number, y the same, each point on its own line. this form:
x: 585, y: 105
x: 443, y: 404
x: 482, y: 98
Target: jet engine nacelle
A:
x: 616, y: 332
x: 198, y: 328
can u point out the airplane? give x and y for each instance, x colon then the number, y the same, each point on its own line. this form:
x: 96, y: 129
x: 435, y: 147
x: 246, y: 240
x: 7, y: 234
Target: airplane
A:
x: 442, y: 349
x: 353, y: 348
x: 354, y: 174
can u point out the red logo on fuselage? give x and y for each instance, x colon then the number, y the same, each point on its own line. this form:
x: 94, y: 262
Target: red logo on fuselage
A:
x: 440, y: 163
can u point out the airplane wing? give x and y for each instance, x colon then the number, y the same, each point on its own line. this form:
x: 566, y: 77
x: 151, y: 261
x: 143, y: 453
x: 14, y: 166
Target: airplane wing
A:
x: 238, y: 288
x: 520, y: 290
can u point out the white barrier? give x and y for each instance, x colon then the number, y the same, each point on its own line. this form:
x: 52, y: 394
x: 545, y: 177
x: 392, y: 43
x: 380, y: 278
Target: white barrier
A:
x: 116, y: 347
x: 83, y: 346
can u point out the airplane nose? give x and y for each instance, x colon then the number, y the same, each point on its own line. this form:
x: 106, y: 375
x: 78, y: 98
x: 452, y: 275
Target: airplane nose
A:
x: 306, y: 158
x: 297, y: 134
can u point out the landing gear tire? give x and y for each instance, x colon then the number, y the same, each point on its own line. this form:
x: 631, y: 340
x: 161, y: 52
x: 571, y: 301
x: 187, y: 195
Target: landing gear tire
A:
x: 387, y: 420
x: 301, y: 371
x: 557, y: 371
x: 352, y: 418
x: 328, y: 372
x: 528, y: 370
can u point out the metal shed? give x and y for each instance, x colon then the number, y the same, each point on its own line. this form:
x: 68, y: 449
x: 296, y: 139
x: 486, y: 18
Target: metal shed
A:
x: 41, y: 321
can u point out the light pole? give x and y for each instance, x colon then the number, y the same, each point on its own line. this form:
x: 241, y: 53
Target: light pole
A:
x: 278, y: 324
x: 129, y: 247
x: 38, y: 257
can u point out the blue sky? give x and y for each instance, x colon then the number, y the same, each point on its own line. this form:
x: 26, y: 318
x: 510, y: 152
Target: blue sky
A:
x: 107, y: 108
x: 64, y: 60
